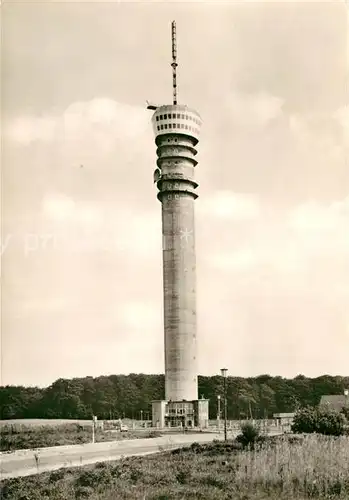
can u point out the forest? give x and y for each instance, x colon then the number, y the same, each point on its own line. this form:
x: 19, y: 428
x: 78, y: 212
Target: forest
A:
x: 130, y: 396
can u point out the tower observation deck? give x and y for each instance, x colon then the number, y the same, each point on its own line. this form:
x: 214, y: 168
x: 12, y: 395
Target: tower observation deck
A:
x: 177, y: 129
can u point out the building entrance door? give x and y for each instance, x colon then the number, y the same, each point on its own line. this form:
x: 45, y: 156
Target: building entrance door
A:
x: 176, y: 421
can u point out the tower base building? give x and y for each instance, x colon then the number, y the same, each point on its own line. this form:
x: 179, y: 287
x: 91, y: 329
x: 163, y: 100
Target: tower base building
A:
x: 184, y: 414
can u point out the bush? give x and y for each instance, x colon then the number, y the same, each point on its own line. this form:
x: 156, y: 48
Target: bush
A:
x: 305, y: 421
x: 249, y: 434
x: 153, y: 434
x: 57, y: 475
x: 345, y: 412
x: 88, y: 478
x: 331, y: 423
x: 196, y: 447
x: 317, y: 420
x: 184, y: 474
x: 83, y: 492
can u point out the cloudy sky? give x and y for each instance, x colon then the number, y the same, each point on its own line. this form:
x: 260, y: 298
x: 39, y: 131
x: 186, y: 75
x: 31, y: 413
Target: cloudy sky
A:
x: 81, y: 238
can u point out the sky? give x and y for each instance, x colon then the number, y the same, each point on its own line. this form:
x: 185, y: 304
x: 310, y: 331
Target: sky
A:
x: 81, y: 224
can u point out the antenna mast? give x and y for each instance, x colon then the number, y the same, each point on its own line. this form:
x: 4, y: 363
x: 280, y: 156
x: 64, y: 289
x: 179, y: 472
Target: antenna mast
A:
x: 174, y: 62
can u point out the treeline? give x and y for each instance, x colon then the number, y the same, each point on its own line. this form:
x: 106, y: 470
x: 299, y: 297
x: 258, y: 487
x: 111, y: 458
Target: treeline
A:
x: 130, y: 396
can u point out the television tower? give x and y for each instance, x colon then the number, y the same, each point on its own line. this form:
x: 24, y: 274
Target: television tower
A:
x: 177, y: 128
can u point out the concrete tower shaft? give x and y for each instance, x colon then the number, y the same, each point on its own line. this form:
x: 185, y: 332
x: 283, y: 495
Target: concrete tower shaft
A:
x: 176, y: 130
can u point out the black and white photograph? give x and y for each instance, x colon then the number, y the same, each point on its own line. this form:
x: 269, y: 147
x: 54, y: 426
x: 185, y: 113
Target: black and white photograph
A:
x: 174, y: 250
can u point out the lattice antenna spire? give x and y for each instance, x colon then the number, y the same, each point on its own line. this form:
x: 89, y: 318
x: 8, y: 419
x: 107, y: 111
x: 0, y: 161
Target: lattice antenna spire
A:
x: 174, y: 62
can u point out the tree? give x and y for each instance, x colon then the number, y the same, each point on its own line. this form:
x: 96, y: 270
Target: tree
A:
x: 267, y: 400
x: 247, y: 399
x: 117, y: 395
x: 317, y: 420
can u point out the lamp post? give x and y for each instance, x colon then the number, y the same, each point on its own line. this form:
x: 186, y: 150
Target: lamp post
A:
x: 224, y: 375
x: 94, y: 420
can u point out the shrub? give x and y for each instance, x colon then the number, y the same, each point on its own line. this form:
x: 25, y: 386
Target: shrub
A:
x: 304, y: 421
x: 331, y: 423
x: 153, y: 434
x: 184, y: 474
x: 135, y: 474
x: 214, y: 481
x: 221, y: 448
x: 88, y: 478
x: 345, y: 412
x: 317, y: 420
x: 83, y: 492
x: 196, y: 447
x: 57, y: 475
x: 249, y: 434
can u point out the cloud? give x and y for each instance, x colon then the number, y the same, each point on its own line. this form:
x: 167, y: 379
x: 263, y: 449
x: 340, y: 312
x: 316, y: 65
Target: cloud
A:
x: 342, y: 115
x: 140, y: 316
x: 80, y: 226
x: 322, y: 229
x: 313, y: 216
x: 105, y: 116
x: 307, y: 235
x: 226, y: 204
x: 94, y: 208
x: 28, y: 129
x: 102, y: 121
x: 58, y: 207
x: 46, y: 305
x: 61, y: 208
x: 253, y: 110
x: 141, y: 236
x: 321, y: 134
x: 237, y: 261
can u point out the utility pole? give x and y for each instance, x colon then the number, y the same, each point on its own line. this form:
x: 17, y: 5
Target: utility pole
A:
x: 224, y: 375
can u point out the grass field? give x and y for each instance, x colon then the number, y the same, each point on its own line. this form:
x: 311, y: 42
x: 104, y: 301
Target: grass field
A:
x: 29, y: 422
x: 283, y: 468
x: 20, y: 437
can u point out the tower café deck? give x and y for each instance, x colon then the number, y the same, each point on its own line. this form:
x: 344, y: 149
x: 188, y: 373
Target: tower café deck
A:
x: 176, y: 118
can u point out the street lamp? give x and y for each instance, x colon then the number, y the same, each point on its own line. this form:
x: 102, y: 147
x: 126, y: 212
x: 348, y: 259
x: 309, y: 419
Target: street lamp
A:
x: 218, y: 411
x: 224, y: 375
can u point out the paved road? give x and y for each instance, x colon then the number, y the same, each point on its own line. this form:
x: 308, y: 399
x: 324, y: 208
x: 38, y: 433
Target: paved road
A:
x: 24, y: 463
